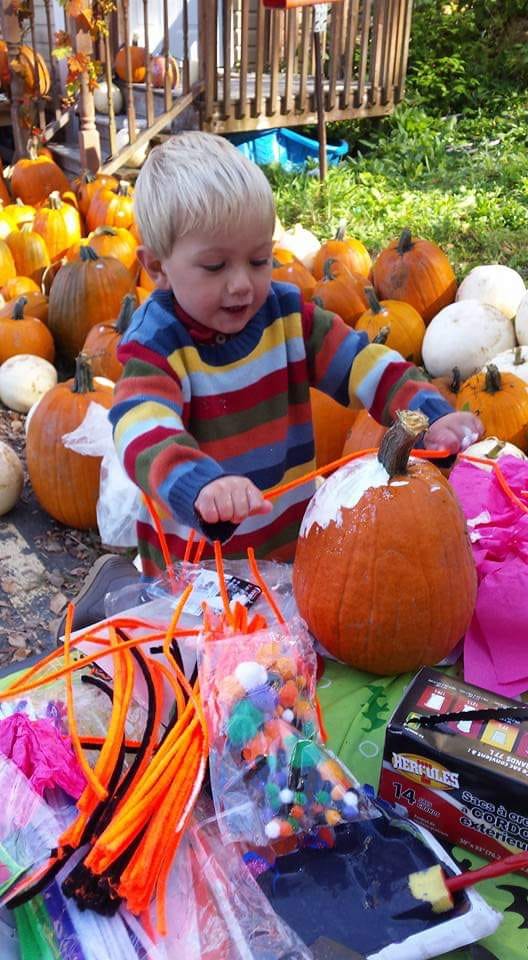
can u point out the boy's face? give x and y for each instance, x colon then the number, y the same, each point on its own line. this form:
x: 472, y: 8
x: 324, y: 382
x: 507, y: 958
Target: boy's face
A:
x: 221, y: 279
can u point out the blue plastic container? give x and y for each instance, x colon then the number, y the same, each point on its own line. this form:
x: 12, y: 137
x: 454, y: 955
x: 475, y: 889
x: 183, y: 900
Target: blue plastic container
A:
x: 283, y: 146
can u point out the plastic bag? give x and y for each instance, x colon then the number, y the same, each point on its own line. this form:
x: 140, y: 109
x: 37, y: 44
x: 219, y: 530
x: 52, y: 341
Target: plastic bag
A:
x: 119, y: 498
x: 271, y: 777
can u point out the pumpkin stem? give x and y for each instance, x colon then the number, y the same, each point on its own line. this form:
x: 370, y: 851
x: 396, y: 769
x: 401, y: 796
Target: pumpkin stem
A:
x: 32, y: 148
x: 88, y: 253
x: 54, y: 200
x: 496, y: 450
x: 456, y: 380
x: 405, y: 242
x: 517, y: 357
x: 382, y: 335
x: 83, y: 379
x: 18, y: 309
x: 104, y: 232
x: 123, y: 188
x: 328, y: 266
x: 88, y: 177
x: 340, y: 233
x: 373, y: 301
x: 493, y: 379
x: 128, y: 305
x: 397, y: 443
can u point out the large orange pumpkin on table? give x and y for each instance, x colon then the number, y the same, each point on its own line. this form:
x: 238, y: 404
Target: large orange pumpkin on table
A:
x: 383, y: 574
x: 394, y: 323
x: 111, y: 207
x: 347, y: 251
x: 65, y: 483
x: 59, y: 224
x: 88, y: 184
x: 501, y: 402
x: 29, y: 251
x: 33, y: 70
x: 35, y: 177
x: 416, y: 271
x: 103, y: 340
x: 85, y: 292
x: 22, y: 333
x: 342, y: 292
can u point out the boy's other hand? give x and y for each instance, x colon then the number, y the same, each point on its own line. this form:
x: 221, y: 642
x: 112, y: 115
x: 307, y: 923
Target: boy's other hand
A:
x: 454, y: 432
x: 230, y: 499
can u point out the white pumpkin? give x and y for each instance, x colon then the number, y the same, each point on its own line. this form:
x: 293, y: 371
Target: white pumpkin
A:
x: 466, y: 335
x: 101, y: 98
x: 24, y: 379
x: 11, y: 478
x: 514, y: 361
x: 494, y: 284
x: 521, y: 320
x: 138, y: 157
x: 278, y: 231
x: 302, y: 243
x: 491, y: 448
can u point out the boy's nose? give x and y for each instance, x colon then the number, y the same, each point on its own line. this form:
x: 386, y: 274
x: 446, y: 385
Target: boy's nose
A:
x: 238, y: 282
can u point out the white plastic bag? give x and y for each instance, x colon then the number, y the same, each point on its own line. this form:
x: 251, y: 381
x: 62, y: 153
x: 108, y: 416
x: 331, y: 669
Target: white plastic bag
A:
x: 119, y: 498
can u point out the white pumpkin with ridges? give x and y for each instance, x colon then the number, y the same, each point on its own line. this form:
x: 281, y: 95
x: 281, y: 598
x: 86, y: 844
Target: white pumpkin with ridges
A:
x: 514, y: 361
x: 521, y: 320
x: 466, y: 335
x: 302, y: 243
x: 495, y: 284
x: 24, y: 379
x: 11, y: 478
x: 492, y: 449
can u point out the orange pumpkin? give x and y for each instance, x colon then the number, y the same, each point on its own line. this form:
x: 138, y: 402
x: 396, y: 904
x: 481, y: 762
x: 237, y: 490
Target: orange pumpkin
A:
x: 142, y: 295
x: 138, y: 63
x: 364, y: 434
x: 59, y: 224
x: 20, y: 214
x: 159, y: 69
x: 36, y: 306
x: 5, y: 76
x: 65, y: 483
x: 383, y: 573
x: 111, y: 208
x: 88, y: 184
x: 115, y: 242
x: 331, y: 423
x: 287, y: 269
x: 103, y: 340
x: 19, y: 287
x: 449, y: 387
x: 4, y: 192
x: 416, y: 271
x: 341, y: 292
x: 29, y: 252
x: 85, y: 292
x: 33, y: 70
x: 7, y: 264
x: 351, y: 253
x: 146, y: 281
x: 20, y: 333
x: 394, y: 323
x: 501, y: 402
x: 7, y: 224
x: 35, y: 177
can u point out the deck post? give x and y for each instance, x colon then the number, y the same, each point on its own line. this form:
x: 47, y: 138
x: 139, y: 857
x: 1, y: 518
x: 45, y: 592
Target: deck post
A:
x: 89, y: 140
x: 12, y: 35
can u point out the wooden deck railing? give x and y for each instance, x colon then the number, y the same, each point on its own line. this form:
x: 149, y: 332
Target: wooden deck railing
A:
x: 243, y: 67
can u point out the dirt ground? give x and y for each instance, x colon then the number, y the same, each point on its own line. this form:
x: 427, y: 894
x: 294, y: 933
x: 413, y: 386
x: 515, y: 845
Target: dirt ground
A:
x: 42, y: 563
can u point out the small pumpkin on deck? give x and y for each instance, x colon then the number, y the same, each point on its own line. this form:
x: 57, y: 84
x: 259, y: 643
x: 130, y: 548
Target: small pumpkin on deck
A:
x: 416, y: 271
x: 501, y: 402
x: 65, y: 483
x: 383, y: 574
x: 351, y: 253
x: 103, y: 340
x: 341, y: 291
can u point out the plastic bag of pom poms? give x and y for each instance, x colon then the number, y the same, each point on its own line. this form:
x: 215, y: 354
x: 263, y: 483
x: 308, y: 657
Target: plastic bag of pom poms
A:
x: 29, y: 827
x: 271, y: 776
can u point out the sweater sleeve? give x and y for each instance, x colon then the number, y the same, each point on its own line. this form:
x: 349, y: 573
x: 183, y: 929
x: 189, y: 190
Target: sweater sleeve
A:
x: 156, y: 451
x: 344, y: 364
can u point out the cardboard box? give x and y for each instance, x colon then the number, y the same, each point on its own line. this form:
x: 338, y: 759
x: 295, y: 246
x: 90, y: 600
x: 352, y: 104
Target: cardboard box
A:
x: 466, y: 779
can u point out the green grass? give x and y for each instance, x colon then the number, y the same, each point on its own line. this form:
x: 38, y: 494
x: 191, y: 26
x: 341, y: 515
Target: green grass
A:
x: 466, y: 189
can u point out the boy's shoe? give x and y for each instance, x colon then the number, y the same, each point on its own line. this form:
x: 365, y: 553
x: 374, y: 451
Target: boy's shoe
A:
x: 109, y: 573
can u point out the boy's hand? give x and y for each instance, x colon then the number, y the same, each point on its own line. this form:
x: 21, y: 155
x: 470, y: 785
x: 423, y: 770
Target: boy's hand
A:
x: 230, y: 499
x: 454, y: 432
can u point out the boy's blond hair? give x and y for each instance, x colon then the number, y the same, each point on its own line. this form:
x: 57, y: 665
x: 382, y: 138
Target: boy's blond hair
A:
x: 198, y: 181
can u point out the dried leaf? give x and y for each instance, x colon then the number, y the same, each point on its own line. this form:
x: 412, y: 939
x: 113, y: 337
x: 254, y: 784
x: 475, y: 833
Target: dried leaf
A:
x: 57, y: 603
x: 8, y: 585
x: 16, y: 640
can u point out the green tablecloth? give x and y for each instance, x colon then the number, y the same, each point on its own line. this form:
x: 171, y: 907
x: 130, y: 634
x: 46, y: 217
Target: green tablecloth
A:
x: 356, y: 707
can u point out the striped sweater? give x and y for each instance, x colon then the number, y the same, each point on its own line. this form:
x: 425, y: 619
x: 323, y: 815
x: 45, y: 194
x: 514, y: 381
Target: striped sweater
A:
x: 190, y: 408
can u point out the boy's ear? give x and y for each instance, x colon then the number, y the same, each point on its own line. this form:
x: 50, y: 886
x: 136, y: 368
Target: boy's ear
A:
x: 152, y: 265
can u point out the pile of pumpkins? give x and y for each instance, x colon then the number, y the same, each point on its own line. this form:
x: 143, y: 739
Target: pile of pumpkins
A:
x: 69, y: 284
x: 472, y: 339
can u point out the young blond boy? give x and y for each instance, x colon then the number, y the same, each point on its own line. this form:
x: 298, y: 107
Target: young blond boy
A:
x: 213, y: 407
